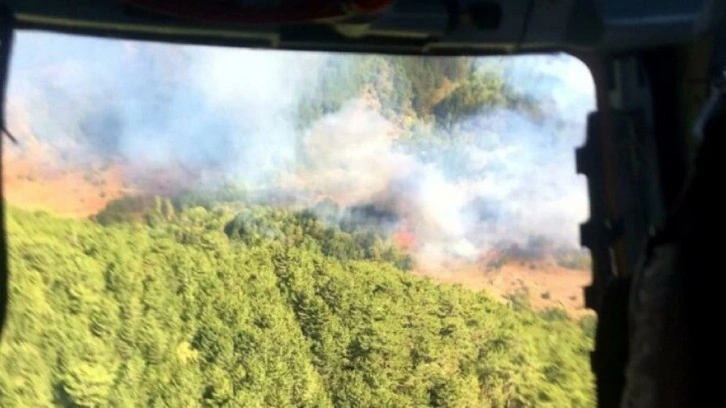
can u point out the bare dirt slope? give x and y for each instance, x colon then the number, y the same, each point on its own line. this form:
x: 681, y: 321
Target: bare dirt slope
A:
x: 34, y: 180
x: 35, y: 176
x: 546, y: 284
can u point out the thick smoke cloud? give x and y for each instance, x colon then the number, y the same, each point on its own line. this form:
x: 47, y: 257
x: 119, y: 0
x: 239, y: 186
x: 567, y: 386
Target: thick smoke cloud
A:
x: 158, y: 105
x: 214, y: 115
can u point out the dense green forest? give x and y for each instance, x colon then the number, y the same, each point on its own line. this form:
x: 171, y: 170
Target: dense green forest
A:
x: 413, y: 90
x: 257, y: 308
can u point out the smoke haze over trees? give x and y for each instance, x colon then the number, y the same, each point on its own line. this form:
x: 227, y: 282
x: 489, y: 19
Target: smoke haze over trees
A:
x: 471, y: 151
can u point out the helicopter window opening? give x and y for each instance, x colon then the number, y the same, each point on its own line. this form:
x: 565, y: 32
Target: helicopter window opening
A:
x: 196, y: 225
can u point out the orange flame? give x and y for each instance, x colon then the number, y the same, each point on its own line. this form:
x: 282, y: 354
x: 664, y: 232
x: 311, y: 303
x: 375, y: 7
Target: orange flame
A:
x: 405, y: 238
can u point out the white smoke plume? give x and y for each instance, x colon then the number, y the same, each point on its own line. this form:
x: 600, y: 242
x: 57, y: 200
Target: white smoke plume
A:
x: 230, y: 114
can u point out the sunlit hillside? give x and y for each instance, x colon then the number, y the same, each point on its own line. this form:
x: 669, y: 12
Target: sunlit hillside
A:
x: 192, y: 226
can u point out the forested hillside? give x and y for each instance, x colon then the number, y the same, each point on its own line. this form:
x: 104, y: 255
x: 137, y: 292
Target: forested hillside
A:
x: 205, y: 307
x: 440, y: 90
x: 250, y: 229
